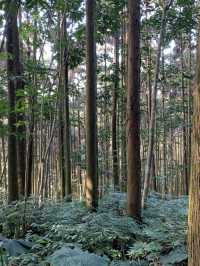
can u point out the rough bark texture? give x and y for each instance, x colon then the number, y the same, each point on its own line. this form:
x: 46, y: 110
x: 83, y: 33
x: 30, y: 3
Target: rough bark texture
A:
x: 194, y: 201
x: 91, y: 120
x: 133, y: 111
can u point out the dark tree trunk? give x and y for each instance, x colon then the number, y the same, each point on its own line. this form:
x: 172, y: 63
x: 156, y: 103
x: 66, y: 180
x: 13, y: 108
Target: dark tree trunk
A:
x: 133, y: 111
x: 32, y: 100
x: 91, y: 120
x: 21, y: 128
x: 67, y: 160
x: 12, y: 72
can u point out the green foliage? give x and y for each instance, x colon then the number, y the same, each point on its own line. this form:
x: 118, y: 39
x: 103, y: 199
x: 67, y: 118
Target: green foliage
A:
x: 32, y: 3
x: 109, y: 17
x: 14, y: 217
x: 54, y: 228
x: 142, y: 249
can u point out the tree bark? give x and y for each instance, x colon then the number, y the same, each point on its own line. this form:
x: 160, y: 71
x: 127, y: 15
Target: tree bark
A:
x: 12, y: 47
x: 133, y: 111
x: 61, y: 111
x: 67, y: 160
x: 31, y: 127
x: 91, y: 119
x: 194, y: 199
x: 185, y: 154
x: 21, y: 127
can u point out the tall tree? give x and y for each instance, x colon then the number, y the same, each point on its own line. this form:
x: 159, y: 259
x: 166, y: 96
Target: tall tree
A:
x: 185, y: 148
x: 91, y: 119
x: 67, y: 161
x: 194, y: 200
x: 133, y: 111
x: 114, y: 116
x: 13, y: 66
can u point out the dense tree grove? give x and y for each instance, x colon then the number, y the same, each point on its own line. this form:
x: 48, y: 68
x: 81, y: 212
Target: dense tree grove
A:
x: 101, y: 99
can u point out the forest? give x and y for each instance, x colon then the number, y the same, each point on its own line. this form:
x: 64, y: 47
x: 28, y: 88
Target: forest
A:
x: 99, y: 133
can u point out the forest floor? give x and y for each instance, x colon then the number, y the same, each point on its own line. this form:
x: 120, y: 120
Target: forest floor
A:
x: 67, y: 234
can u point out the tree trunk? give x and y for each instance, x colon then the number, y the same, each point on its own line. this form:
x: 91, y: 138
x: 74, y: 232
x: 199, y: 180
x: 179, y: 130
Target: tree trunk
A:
x: 12, y: 47
x: 114, y: 117
x: 164, y: 165
x: 123, y: 105
x: 21, y: 127
x: 133, y: 111
x: 91, y: 120
x: 185, y: 155
x: 32, y: 101
x: 194, y: 200
x: 80, y: 155
x: 67, y: 159
x: 189, y: 110
x: 61, y: 110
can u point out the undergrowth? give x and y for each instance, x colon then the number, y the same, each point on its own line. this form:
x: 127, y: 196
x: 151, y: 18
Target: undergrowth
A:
x: 108, y: 233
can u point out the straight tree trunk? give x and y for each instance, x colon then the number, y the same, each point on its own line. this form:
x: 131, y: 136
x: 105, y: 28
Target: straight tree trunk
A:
x: 67, y: 160
x: 164, y: 167
x: 194, y: 199
x: 91, y: 108
x: 185, y: 155
x: 106, y: 123
x: 12, y: 47
x: 133, y: 111
x: 32, y: 101
x: 60, y: 114
x: 189, y: 110
x: 114, y: 117
x: 21, y: 127
x: 80, y: 161
x: 123, y: 105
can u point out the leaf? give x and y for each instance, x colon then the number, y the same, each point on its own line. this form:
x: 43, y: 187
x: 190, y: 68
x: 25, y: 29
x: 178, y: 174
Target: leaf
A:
x: 32, y: 3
